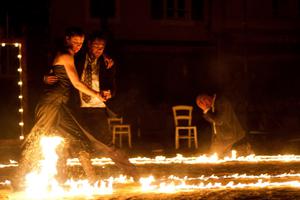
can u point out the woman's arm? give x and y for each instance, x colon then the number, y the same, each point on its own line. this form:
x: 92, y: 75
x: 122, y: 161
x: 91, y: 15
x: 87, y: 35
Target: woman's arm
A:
x: 68, y: 62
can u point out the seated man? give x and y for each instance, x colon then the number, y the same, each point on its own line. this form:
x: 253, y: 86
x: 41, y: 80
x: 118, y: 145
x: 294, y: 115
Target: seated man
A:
x: 228, y: 133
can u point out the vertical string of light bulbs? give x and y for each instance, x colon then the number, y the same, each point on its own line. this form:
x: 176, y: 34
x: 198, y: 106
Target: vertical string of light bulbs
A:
x: 20, y: 83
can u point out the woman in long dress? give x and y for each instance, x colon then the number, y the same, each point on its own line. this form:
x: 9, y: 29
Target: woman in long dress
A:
x: 53, y: 117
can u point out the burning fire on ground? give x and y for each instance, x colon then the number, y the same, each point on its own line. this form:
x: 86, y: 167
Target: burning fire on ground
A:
x: 42, y: 183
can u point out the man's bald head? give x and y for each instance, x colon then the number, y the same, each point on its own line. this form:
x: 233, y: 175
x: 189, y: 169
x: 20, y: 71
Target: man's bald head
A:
x: 204, y: 102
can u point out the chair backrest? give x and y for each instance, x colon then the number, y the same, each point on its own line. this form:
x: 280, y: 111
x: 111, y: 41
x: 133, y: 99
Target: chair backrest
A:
x: 114, y: 121
x: 182, y: 115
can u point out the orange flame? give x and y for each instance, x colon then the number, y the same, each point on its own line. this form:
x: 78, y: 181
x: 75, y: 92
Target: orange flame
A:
x: 48, y: 187
x: 42, y: 183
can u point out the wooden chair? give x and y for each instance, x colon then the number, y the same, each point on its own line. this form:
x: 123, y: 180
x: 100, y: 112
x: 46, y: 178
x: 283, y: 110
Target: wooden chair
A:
x: 183, y: 125
x: 119, y: 129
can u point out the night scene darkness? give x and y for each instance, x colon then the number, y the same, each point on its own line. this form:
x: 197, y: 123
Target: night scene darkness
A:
x: 241, y: 56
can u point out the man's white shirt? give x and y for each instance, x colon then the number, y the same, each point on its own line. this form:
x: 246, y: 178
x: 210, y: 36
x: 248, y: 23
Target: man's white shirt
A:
x: 94, y: 102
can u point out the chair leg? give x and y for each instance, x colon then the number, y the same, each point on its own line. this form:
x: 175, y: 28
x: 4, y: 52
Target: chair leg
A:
x: 176, y: 139
x: 114, y: 138
x: 129, y: 137
x: 195, y: 137
x: 120, y: 140
x: 190, y: 138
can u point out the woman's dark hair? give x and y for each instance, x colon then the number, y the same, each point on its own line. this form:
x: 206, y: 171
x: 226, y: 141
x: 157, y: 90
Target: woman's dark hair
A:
x: 60, y: 45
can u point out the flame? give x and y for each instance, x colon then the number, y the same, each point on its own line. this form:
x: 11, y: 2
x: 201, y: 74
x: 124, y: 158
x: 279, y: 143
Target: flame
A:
x: 176, y: 184
x: 12, y: 163
x: 42, y: 183
x: 202, y: 159
x: 5, y: 183
x: 180, y: 159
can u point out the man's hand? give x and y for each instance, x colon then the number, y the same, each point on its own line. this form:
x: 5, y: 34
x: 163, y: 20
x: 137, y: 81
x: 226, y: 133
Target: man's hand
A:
x: 100, y: 97
x: 106, y: 94
x: 50, y: 80
x: 108, y: 61
x: 204, y: 105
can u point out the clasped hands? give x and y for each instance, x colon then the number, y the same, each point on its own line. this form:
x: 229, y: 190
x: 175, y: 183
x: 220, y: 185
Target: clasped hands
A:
x: 104, y: 95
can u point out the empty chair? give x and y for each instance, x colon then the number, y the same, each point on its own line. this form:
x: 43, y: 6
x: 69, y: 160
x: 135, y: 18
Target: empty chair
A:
x: 183, y: 125
x: 119, y: 129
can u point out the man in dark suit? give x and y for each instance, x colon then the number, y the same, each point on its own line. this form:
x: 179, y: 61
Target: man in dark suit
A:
x: 98, y: 72
x: 228, y: 133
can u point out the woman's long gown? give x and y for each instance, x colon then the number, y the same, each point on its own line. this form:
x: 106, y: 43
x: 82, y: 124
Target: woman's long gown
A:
x: 53, y: 117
